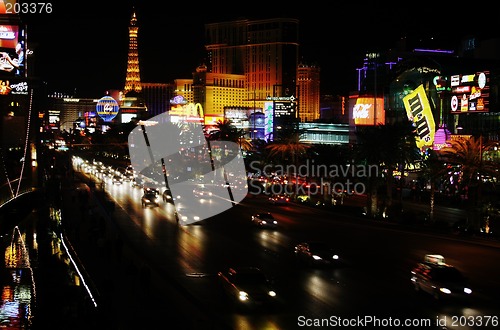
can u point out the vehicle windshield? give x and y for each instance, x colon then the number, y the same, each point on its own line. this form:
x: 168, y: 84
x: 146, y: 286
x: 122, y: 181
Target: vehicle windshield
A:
x: 448, y: 274
x: 251, y: 278
x: 318, y: 246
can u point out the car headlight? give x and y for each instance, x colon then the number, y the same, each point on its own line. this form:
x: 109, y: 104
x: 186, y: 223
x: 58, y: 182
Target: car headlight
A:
x: 272, y: 293
x: 315, y: 257
x: 275, y: 222
x: 467, y: 290
x: 264, y: 222
x: 336, y: 257
x: 243, y: 296
x: 445, y: 290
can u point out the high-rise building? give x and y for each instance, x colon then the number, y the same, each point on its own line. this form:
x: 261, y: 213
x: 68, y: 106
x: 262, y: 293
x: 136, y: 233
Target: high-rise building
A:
x: 157, y: 97
x: 133, y: 78
x: 184, y: 88
x: 216, y: 92
x: 265, y: 51
x: 309, y: 92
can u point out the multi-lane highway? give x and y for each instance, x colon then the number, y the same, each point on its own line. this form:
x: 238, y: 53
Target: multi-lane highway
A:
x: 372, y: 285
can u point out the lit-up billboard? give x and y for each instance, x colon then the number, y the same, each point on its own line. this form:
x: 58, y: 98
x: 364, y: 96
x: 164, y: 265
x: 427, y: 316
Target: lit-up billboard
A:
x: 12, y: 58
x: 420, y: 114
x: 9, y: 7
x: 470, y: 93
x: 368, y: 111
x: 13, y: 86
x: 107, y: 108
x: 268, y: 121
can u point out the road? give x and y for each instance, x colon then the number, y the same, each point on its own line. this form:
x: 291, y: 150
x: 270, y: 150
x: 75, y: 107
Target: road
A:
x: 373, y: 282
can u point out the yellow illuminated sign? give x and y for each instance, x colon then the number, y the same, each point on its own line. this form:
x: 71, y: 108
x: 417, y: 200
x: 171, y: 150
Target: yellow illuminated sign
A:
x: 188, y: 110
x: 419, y: 112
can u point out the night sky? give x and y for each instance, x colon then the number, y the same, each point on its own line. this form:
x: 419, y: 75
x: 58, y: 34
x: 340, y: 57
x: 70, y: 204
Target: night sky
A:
x: 83, y: 46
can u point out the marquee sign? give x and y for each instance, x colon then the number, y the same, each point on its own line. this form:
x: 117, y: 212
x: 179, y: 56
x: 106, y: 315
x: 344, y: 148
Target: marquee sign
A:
x: 470, y: 93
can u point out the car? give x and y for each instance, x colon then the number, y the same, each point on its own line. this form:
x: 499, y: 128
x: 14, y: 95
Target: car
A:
x: 439, y: 279
x: 316, y: 253
x: 247, y: 286
x: 135, y: 183
x: 117, y: 179
x: 264, y: 220
x: 280, y: 199
x: 150, y: 198
x: 128, y: 176
x: 167, y: 196
x: 201, y: 191
x: 147, y: 189
x: 185, y: 216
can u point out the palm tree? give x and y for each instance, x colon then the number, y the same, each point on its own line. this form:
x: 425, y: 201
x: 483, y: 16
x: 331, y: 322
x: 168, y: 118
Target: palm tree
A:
x: 391, y: 147
x: 289, y: 149
x: 434, y: 168
x: 226, y: 131
x: 468, y: 154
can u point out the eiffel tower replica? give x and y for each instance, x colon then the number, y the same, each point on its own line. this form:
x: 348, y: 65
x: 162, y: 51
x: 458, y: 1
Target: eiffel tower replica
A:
x: 132, y: 99
x: 133, y: 78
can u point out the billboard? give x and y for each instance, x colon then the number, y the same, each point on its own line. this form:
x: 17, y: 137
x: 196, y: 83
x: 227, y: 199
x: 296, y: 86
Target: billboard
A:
x: 470, y: 93
x: 13, y: 86
x: 9, y: 7
x: 107, y: 108
x: 420, y: 114
x: 368, y: 111
x: 268, y: 121
x: 12, y: 58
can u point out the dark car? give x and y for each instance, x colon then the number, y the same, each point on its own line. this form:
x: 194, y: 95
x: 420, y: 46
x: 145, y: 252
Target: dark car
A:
x: 150, y: 198
x: 264, y: 220
x: 247, y: 286
x: 117, y: 179
x: 147, y: 189
x: 135, y: 183
x: 439, y: 279
x: 167, y: 196
x: 316, y: 254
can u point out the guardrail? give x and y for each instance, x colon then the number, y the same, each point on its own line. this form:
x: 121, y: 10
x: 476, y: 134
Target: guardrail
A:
x: 11, y: 191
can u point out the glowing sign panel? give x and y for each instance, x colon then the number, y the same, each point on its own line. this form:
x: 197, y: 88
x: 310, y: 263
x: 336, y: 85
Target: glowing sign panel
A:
x: 107, y: 108
x: 470, y: 93
x: 419, y: 112
x: 269, y: 120
x: 368, y: 112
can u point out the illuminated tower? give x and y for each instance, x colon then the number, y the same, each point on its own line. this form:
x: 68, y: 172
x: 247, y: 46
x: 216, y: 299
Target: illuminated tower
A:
x: 133, y: 78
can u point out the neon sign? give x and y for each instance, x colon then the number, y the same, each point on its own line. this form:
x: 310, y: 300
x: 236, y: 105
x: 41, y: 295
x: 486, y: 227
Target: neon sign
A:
x: 107, y: 108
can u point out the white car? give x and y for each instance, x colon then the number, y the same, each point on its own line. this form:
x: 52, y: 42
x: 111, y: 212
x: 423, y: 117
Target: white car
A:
x: 439, y: 279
